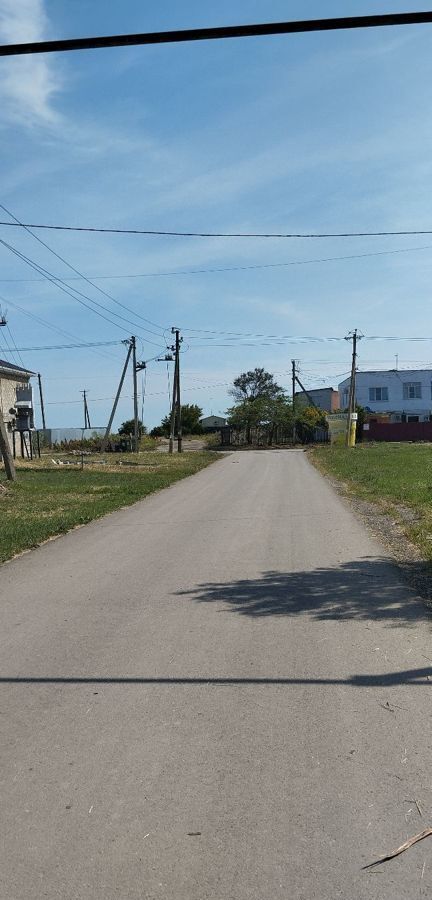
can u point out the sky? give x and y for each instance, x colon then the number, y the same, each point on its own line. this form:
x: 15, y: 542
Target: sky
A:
x: 309, y: 133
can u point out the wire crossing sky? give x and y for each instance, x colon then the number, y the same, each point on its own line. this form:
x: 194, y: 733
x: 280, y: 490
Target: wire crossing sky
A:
x: 184, y: 184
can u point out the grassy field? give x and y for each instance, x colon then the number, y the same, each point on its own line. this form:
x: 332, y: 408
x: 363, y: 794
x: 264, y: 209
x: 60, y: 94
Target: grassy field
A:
x: 49, y: 499
x: 389, y: 475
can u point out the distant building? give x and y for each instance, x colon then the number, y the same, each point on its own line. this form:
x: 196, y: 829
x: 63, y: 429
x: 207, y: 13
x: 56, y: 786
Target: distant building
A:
x: 212, y: 423
x: 58, y: 435
x: 326, y: 399
x: 16, y: 400
x: 404, y: 394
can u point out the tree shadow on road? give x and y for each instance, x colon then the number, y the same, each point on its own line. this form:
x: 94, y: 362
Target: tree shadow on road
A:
x: 368, y: 588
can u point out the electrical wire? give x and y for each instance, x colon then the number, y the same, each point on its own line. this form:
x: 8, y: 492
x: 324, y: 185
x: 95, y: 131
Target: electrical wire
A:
x: 222, y: 32
x: 77, y: 272
x: 295, y: 262
x: 66, y: 346
x: 51, y: 327
x: 72, y: 292
x: 221, y: 234
x: 7, y: 348
x: 15, y: 346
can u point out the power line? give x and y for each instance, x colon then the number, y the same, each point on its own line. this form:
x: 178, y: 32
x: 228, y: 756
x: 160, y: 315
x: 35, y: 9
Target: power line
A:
x: 46, y: 324
x: 72, y: 292
x: 220, y: 234
x: 65, y: 346
x: 15, y: 346
x: 294, y: 262
x: 77, y: 272
x: 262, y: 29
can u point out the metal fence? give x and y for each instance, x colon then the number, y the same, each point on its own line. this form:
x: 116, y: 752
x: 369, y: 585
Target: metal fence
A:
x: 265, y: 436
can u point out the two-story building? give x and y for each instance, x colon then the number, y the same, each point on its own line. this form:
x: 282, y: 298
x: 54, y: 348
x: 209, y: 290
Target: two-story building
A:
x: 405, y: 394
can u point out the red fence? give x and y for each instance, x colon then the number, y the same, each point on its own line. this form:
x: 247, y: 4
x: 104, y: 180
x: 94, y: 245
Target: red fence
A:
x: 398, y: 431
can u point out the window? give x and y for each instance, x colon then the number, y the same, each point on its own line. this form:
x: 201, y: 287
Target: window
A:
x: 412, y: 390
x: 378, y: 394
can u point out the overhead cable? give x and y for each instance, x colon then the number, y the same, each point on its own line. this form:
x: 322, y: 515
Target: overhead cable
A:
x: 77, y: 272
x: 72, y: 292
x: 261, y: 29
x: 221, y: 234
x: 278, y: 265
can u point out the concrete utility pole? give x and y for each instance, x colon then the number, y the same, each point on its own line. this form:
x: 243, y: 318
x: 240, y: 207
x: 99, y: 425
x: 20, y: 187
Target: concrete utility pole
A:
x: 353, y: 336
x: 179, y: 422
x: 117, y: 397
x: 86, y: 411
x: 5, y: 451
x: 173, y: 406
x: 135, y: 395
x: 294, y: 378
x: 176, y: 406
x: 41, y: 402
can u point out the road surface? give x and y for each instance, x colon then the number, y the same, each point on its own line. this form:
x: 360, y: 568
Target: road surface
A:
x: 222, y: 693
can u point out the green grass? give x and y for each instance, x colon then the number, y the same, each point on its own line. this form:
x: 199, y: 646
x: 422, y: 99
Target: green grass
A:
x: 47, y: 499
x: 390, y: 475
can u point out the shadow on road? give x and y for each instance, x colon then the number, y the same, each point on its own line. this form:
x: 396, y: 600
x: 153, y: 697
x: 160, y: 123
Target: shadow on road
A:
x: 369, y: 588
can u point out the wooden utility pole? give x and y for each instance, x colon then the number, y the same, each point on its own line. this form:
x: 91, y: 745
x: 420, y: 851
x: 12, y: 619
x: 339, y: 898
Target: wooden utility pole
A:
x: 113, y: 411
x: 5, y: 452
x: 135, y: 395
x: 41, y: 401
x: 294, y: 377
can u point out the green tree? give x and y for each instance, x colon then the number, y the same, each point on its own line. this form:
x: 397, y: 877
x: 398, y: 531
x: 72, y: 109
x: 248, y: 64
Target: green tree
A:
x: 260, y: 401
x: 128, y: 427
x: 190, y: 416
x: 255, y: 385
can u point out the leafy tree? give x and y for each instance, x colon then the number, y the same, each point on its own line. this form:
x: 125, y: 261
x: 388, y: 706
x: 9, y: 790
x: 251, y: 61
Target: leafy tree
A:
x: 260, y: 401
x: 190, y: 416
x: 128, y: 427
x: 255, y: 385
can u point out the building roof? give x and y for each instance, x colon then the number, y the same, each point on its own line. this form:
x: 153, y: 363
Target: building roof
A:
x: 317, y: 390
x: 12, y: 368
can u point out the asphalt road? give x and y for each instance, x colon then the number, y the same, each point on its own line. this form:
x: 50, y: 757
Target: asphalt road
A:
x: 221, y: 693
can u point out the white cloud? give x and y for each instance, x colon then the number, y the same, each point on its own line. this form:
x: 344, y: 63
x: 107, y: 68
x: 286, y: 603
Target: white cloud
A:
x: 28, y: 84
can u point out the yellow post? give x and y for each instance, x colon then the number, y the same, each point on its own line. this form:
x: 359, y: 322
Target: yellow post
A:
x: 352, y: 430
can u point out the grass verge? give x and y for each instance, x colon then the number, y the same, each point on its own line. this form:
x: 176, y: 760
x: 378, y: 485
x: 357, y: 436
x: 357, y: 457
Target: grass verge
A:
x: 48, y: 499
x: 397, y: 478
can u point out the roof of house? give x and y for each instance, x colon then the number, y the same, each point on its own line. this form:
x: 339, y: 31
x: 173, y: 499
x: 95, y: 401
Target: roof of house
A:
x: 317, y: 391
x: 11, y: 367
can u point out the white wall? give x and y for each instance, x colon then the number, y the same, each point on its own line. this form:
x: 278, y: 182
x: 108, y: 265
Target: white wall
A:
x: 394, y: 382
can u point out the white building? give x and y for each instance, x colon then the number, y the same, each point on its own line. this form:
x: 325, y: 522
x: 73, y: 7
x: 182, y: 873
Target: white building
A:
x: 404, y: 393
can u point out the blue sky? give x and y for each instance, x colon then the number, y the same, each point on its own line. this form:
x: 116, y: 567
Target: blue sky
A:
x: 320, y: 132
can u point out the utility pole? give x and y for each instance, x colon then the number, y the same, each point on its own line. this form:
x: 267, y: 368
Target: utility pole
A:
x: 353, y: 336
x: 135, y: 395
x: 5, y: 452
x: 41, y: 402
x: 113, y: 411
x: 176, y: 405
x: 294, y: 377
x: 179, y: 422
x: 86, y: 411
x: 173, y: 404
